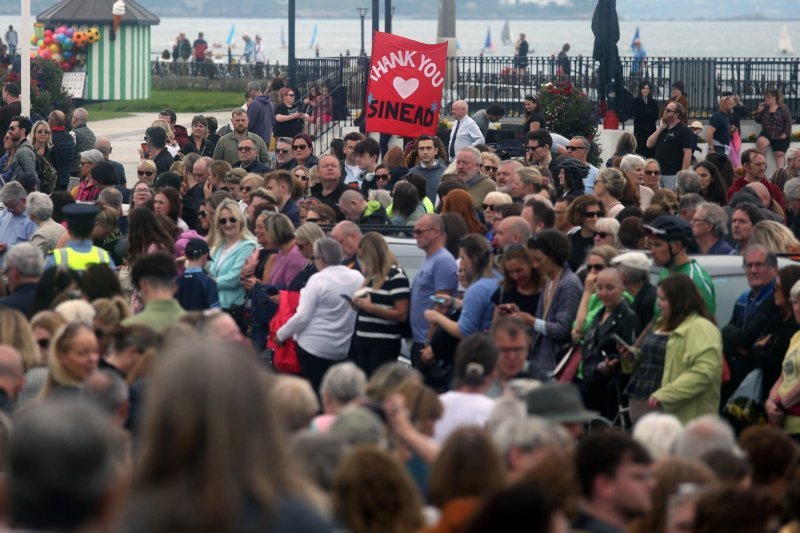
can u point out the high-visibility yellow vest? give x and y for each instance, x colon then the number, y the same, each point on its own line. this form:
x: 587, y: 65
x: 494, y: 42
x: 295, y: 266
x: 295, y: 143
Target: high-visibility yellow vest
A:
x: 75, y: 260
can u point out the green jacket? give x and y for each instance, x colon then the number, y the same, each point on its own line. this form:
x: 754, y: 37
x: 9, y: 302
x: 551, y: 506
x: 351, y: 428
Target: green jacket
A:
x: 158, y: 314
x: 692, y: 370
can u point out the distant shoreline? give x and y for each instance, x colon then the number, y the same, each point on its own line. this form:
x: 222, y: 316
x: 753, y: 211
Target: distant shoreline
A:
x: 462, y: 16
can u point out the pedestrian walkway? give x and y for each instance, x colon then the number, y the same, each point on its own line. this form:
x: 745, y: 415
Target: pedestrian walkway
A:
x: 127, y: 134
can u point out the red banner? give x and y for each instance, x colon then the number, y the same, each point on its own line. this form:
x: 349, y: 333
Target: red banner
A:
x: 406, y: 79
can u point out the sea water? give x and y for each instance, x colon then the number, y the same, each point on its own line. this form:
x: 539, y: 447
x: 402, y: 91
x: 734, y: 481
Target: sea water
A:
x: 546, y: 37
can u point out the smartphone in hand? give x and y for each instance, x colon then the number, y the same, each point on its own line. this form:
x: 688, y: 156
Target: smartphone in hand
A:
x: 347, y: 298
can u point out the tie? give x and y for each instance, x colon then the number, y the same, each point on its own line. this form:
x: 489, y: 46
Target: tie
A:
x: 453, y: 140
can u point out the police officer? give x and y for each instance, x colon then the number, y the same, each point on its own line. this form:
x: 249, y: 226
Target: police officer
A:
x: 79, y: 252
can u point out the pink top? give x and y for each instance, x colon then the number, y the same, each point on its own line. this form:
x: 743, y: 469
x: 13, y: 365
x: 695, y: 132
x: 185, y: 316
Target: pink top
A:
x: 286, y: 267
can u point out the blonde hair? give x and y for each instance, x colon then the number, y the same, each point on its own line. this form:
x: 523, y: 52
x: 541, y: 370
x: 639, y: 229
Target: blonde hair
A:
x: 164, y: 125
x: 57, y: 375
x: 146, y: 165
x: 775, y: 237
x: 15, y: 331
x: 376, y: 258
x: 216, y: 237
x: 111, y: 311
x: 76, y: 310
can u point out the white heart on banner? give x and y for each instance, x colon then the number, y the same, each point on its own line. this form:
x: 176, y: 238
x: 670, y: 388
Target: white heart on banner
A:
x: 405, y: 88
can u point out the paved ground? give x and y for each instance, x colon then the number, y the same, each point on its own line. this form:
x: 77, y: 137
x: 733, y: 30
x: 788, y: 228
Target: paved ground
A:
x: 127, y: 134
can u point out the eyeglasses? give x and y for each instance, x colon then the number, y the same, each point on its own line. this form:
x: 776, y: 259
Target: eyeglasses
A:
x: 145, y: 172
x: 601, y: 234
x: 420, y: 231
x: 758, y: 265
x: 489, y: 168
x: 653, y: 172
x: 591, y: 214
x: 299, y: 146
x: 573, y: 148
x: 531, y: 148
x: 596, y: 268
x: 245, y: 148
x: 282, y: 150
x: 202, y: 214
x: 224, y: 221
x: 135, y: 191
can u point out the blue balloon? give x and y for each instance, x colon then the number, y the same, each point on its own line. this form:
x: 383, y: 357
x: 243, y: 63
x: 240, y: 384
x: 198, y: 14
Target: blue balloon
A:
x: 66, y: 44
x: 67, y: 54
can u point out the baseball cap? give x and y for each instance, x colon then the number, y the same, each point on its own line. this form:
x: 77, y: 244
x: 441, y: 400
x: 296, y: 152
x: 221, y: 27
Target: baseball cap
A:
x: 196, y: 248
x: 635, y: 260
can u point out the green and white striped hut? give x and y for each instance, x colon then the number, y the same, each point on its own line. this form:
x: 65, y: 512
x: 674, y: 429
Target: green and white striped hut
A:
x: 119, y: 68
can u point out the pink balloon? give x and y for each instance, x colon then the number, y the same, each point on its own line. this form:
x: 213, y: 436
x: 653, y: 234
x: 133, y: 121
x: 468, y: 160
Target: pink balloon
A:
x: 48, y: 33
x: 47, y: 54
x: 48, y: 40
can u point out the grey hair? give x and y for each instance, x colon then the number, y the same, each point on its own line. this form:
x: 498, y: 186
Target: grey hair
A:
x: 613, y: 180
x: 716, y: 217
x: 687, y: 182
x: 658, y: 432
x: 770, y: 257
x: 584, y: 141
x: 344, y: 382
x: 505, y: 409
x: 633, y: 275
x: 329, y: 251
x: 631, y: 161
x: 530, y: 434
x: 13, y: 191
x: 40, y: 206
x: 107, y: 390
x: 110, y: 196
x: 474, y: 151
x: 319, y: 455
x: 690, y: 201
x: 26, y: 258
x: 791, y: 189
x: 253, y: 86
x: 609, y: 225
x: 92, y: 156
x: 80, y: 114
x: 703, y: 434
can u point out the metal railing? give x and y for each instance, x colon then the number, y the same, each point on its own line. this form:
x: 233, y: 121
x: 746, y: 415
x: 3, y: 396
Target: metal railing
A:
x: 484, y: 80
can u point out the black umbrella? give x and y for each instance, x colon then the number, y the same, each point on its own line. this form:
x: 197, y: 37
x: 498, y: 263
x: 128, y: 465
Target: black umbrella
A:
x: 605, y: 26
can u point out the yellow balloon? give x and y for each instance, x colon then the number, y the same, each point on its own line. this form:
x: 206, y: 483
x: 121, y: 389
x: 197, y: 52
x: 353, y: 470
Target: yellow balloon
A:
x: 54, y: 48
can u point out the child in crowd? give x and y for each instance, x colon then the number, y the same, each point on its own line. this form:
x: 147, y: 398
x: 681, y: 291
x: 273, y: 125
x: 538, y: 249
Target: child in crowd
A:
x: 197, y: 291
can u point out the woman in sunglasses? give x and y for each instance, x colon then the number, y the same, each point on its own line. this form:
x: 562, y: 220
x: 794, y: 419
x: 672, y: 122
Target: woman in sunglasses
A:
x: 606, y: 232
x: 582, y: 212
x: 231, y: 244
x: 303, y: 151
x: 289, y: 117
x: 146, y: 171
x: 302, y: 183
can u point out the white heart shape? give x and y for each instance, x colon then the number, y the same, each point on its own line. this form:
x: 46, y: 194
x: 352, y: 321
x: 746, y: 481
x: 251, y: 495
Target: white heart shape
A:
x: 405, y: 88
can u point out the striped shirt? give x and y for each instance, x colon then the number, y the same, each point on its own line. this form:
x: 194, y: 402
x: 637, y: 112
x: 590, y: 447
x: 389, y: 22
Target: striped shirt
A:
x: 371, y: 329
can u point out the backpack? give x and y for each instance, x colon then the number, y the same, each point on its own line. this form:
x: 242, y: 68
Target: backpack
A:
x: 47, y: 174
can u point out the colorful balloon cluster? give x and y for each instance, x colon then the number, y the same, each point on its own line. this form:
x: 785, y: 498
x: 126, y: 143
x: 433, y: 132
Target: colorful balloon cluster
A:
x: 65, y: 46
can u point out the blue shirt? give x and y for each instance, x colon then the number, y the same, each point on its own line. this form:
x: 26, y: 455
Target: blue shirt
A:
x: 720, y: 248
x: 438, y: 273
x: 197, y: 291
x: 15, y: 229
x: 478, y: 309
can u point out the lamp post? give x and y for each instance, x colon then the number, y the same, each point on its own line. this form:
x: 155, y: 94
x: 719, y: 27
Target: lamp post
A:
x: 362, y: 12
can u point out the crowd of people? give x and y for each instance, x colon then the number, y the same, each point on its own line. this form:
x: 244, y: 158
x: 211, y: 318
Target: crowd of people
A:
x: 236, y: 342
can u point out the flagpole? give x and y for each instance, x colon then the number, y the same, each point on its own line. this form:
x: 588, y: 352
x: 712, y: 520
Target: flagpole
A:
x: 23, y: 48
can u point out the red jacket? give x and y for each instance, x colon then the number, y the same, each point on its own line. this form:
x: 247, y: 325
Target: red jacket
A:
x: 774, y: 190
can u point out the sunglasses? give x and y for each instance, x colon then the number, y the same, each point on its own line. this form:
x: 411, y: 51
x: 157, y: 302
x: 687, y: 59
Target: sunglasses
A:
x: 299, y: 147
x: 668, y: 110
x: 247, y: 189
x: 301, y: 177
x: 573, y: 148
x: 43, y: 132
x: 601, y: 234
x: 596, y: 268
x: 144, y: 173
x: 245, y: 148
x: 487, y: 207
x: 224, y: 221
x: 653, y: 172
x: 282, y: 150
x: 531, y: 148
x: 591, y: 214
x: 382, y: 177
x: 419, y: 232
x: 490, y: 169
x: 202, y: 214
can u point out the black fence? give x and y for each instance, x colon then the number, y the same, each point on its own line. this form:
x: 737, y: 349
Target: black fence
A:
x: 488, y: 79
x: 492, y: 79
